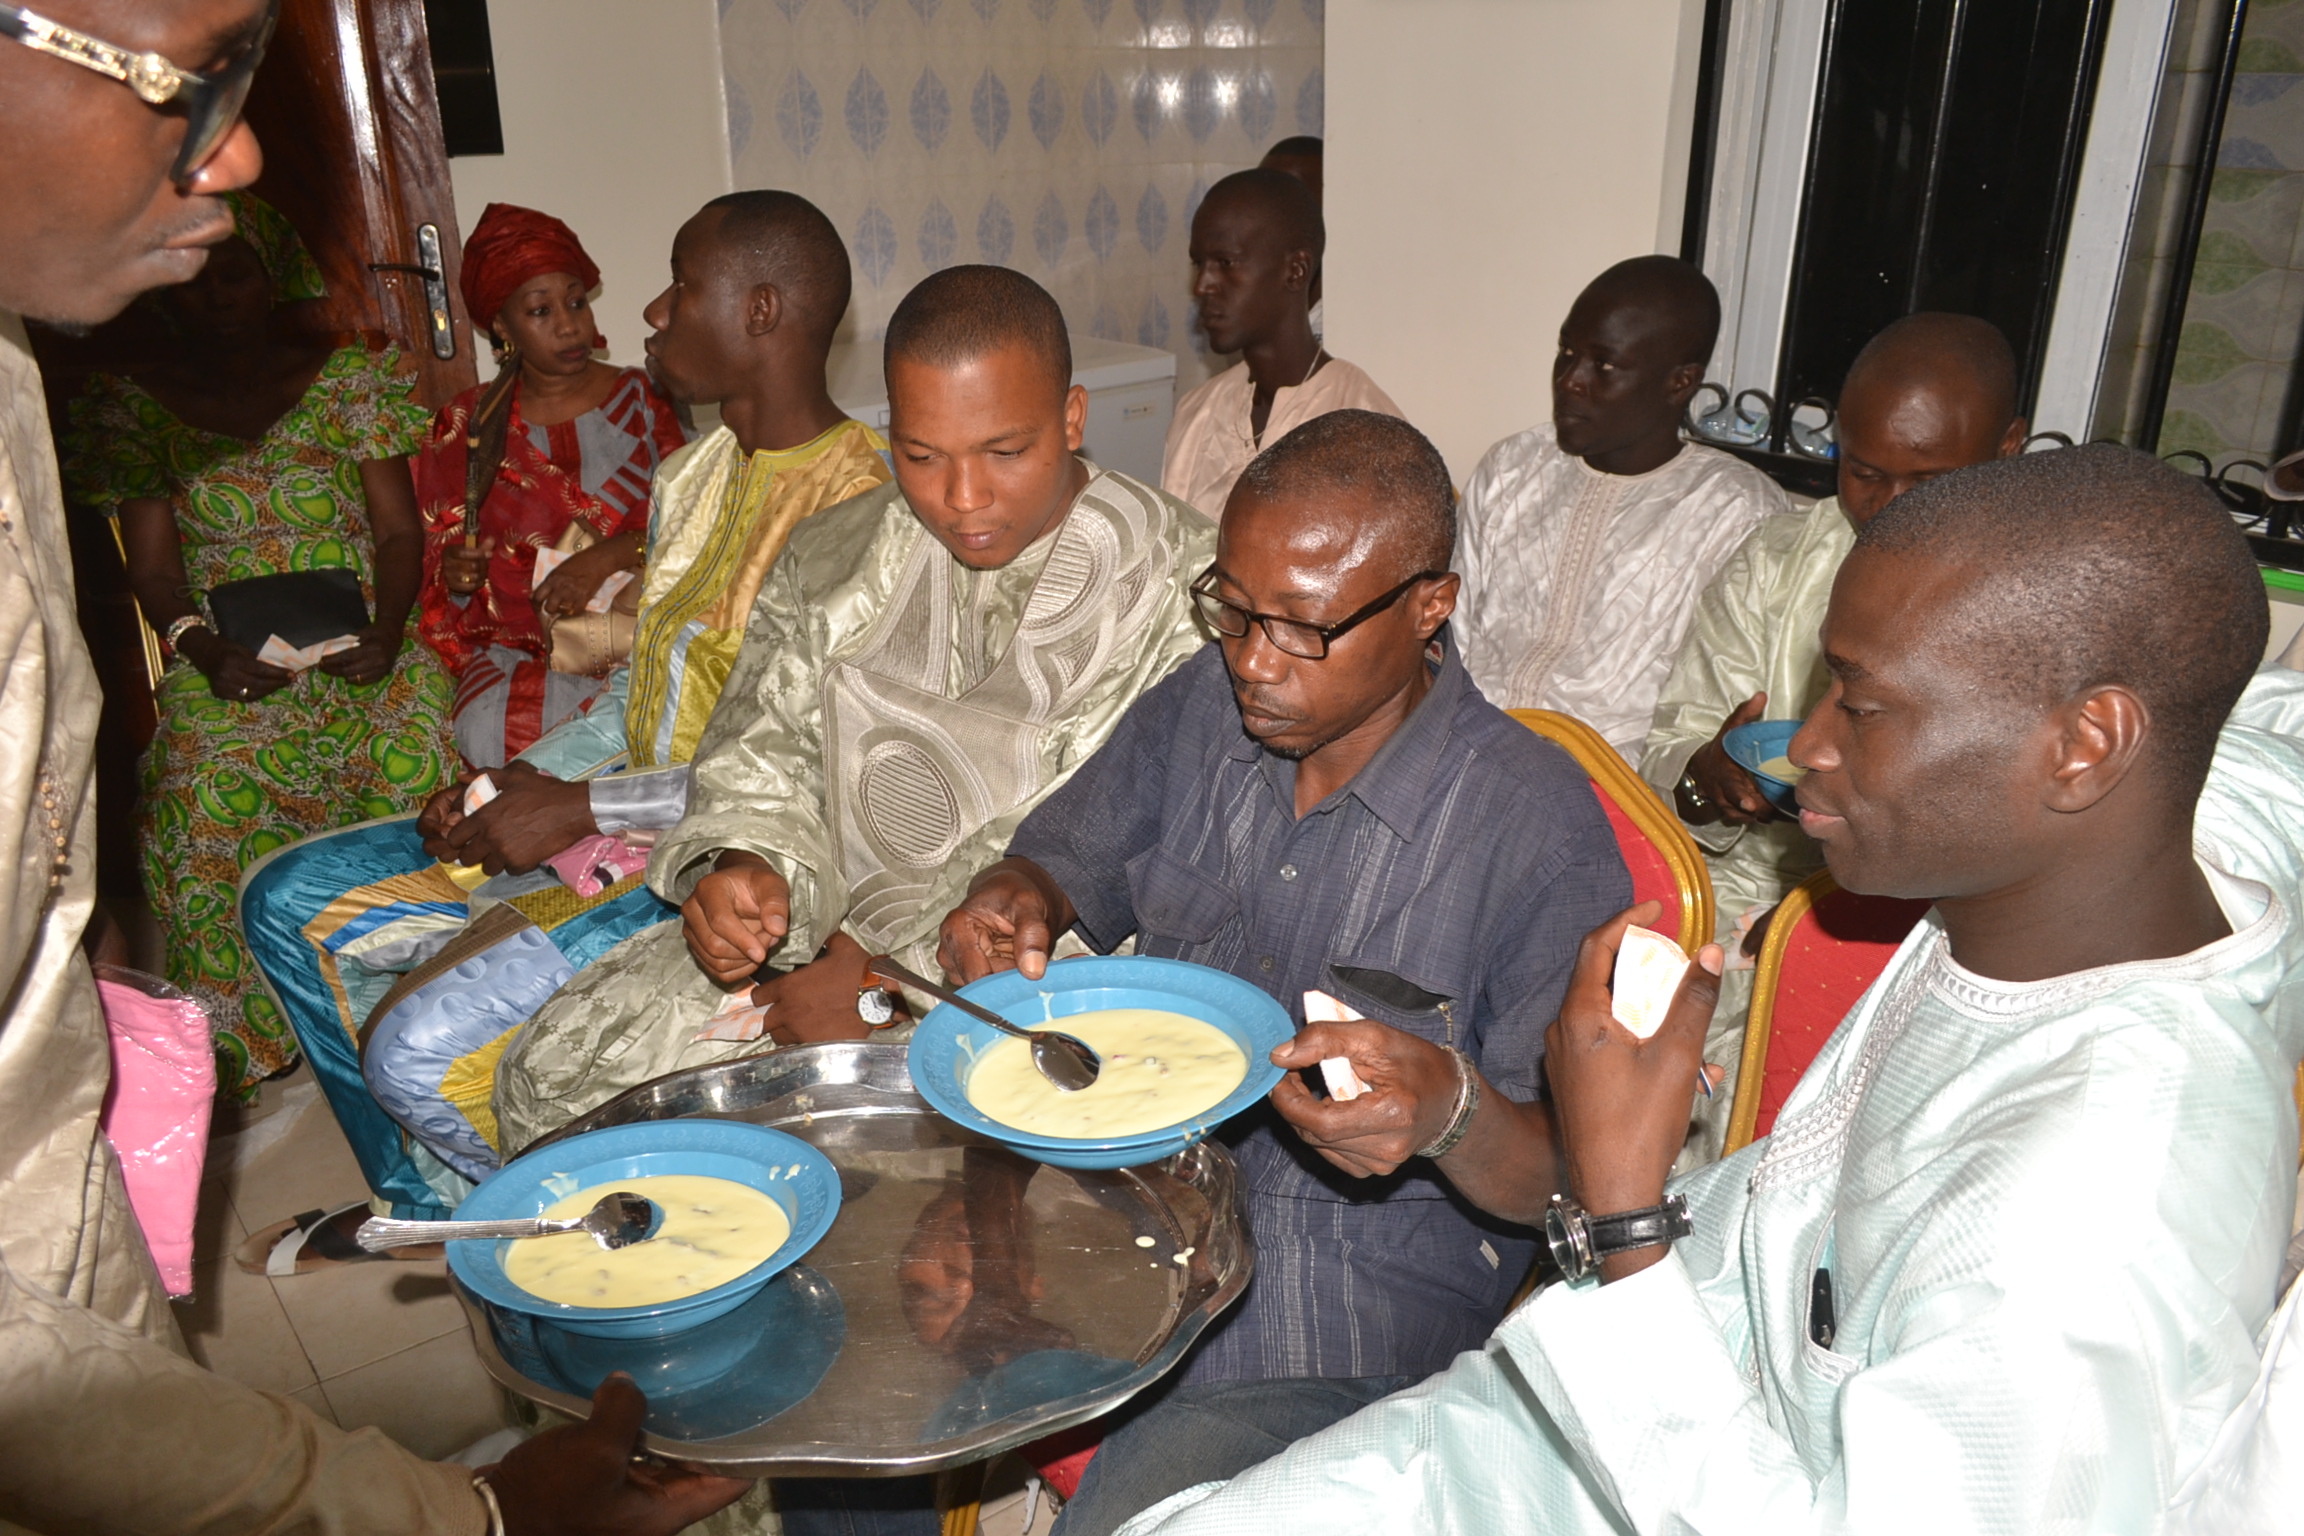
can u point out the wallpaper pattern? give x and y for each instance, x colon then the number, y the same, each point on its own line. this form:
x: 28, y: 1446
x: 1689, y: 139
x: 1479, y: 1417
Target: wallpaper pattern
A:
x: 1069, y: 139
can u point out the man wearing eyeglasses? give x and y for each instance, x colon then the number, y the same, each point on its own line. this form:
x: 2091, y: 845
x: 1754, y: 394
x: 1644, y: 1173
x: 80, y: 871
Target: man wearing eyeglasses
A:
x: 119, y: 129
x: 1324, y: 801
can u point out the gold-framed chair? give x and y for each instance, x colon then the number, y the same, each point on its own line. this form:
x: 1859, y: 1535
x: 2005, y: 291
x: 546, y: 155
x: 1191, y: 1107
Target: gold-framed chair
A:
x: 1665, y: 863
x: 155, y: 660
x: 1824, y: 947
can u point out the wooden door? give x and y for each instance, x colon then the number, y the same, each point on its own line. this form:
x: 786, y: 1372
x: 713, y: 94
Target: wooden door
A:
x: 353, y: 155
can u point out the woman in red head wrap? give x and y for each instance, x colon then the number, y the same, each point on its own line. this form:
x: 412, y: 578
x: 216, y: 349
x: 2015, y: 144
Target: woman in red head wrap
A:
x: 557, y: 451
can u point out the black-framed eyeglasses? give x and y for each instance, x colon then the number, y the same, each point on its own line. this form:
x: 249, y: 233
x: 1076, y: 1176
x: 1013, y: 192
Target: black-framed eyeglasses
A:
x: 211, y: 101
x: 1295, y: 636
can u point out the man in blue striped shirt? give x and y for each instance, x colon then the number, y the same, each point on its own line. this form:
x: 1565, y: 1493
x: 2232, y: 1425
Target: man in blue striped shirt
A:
x: 1323, y: 800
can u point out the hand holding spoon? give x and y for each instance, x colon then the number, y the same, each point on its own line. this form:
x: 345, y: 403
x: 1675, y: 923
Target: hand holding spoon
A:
x: 1065, y: 1060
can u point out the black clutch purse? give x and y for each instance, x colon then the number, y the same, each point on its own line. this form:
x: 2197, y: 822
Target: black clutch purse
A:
x: 301, y: 607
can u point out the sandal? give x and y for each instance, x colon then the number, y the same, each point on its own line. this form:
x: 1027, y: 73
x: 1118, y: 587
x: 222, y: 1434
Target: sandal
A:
x: 317, y: 1240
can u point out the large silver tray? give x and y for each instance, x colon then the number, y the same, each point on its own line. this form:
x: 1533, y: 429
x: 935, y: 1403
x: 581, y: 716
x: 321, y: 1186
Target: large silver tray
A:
x: 965, y: 1302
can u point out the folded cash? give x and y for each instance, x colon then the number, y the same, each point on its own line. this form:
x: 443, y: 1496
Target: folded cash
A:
x: 550, y: 560
x: 279, y: 653
x: 478, y: 793
x: 1344, y: 1084
x: 1648, y: 971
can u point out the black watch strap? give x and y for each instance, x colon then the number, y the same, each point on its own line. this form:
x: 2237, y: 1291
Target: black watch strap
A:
x: 1640, y: 1229
x: 1579, y: 1241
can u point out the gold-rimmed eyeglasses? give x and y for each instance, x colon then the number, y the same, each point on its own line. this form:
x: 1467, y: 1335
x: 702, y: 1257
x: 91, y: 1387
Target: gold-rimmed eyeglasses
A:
x: 211, y: 100
x: 1295, y: 636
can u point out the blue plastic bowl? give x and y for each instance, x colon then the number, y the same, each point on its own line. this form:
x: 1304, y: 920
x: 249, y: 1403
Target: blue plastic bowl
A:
x: 947, y: 1044
x: 788, y: 1170
x: 1748, y: 746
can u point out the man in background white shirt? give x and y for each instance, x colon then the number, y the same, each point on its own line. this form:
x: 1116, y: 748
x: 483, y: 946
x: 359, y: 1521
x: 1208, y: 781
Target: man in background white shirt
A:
x: 1256, y: 245
x: 1586, y: 540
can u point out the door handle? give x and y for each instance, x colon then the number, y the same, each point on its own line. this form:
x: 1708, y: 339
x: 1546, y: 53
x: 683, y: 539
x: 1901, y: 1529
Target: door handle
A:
x: 435, y: 278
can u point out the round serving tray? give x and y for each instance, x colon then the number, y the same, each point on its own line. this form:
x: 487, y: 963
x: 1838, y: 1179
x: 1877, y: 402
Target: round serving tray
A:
x: 966, y: 1301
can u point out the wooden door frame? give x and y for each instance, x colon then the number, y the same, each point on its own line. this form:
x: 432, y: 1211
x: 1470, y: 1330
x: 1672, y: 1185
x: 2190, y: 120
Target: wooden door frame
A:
x: 375, y: 58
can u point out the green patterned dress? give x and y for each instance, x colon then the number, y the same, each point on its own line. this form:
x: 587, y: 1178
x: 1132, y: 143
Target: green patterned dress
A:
x: 226, y: 782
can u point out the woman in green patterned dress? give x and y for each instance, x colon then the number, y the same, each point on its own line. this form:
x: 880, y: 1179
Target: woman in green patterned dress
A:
x: 252, y: 452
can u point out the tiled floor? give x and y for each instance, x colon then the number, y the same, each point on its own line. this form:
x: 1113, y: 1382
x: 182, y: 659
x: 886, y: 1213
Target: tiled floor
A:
x: 381, y: 1344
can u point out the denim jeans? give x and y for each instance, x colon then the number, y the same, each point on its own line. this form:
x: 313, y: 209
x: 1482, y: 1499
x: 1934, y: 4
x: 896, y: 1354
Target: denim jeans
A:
x: 1190, y: 1435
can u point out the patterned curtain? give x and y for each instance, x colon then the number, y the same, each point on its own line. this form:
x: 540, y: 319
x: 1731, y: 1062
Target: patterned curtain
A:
x: 2239, y: 384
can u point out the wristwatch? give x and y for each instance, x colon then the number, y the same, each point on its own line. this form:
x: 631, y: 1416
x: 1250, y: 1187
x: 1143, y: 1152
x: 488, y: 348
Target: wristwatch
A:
x: 876, y: 1007
x: 1579, y: 1241
x: 1692, y: 801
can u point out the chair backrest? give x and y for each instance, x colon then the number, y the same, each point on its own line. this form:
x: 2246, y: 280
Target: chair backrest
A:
x: 155, y: 661
x: 1824, y: 947
x: 1665, y: 862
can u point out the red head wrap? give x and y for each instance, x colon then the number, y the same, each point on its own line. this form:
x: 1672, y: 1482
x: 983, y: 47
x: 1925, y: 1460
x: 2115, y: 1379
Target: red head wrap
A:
x: 511, y: 246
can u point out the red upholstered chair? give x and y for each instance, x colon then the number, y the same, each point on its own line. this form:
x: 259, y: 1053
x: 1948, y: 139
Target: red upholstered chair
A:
x: 1665, y: 862
x: 1824, y: 947
x: 1666, y: 865
x: 1062, y: 1459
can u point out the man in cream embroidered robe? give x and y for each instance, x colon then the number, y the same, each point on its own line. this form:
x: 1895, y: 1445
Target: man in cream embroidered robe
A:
x: 104, y: 1423
x: 892, y: 717
x: 1953, y: 1159
x: 1579, y: 584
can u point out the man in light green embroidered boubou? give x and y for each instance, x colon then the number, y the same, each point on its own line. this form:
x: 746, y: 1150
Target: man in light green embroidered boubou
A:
x: 924, y: 665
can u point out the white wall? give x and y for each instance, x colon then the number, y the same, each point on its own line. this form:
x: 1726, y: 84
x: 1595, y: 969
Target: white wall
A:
x: 1486, y: 159
x: 613, y: 121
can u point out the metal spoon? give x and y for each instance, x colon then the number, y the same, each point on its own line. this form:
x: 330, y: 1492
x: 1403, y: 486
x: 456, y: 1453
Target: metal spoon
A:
x: 1065, y: 1060
x: 618, y: 1221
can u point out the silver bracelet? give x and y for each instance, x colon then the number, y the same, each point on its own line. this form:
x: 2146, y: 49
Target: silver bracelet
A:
x: 481, y: 1486
x: 174, y: 634
x: 1467, y: 1105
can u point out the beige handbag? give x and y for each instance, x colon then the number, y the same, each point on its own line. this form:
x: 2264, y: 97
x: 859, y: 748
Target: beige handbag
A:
x: 593, y: 643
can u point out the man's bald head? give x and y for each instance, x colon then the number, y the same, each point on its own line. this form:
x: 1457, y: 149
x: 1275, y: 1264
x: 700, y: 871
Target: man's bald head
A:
x: 962, y: 313
x: 1280, y: 203
x: 1301, y: 156
x: 1632, y: 352
x: 1374, y: 462
x: 1930, y: 394
x: 1329, y: 528
x: 784, y: 240
x: 1959, y: 357
x: 2093, y: 567
x: 1672, y: 296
